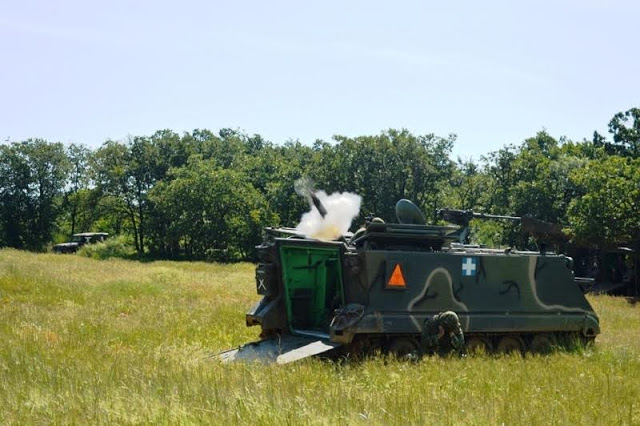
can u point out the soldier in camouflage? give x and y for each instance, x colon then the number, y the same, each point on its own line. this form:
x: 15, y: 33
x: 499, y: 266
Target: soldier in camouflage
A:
x: 442, y: 334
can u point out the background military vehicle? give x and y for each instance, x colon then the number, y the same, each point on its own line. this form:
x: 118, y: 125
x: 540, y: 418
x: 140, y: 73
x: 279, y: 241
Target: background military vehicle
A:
x: 78, y: 240
x: 613, y: 269
x: 374, y: 291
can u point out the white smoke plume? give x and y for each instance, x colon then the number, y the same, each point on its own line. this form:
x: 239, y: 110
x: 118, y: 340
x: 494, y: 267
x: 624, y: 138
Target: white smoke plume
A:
x: 341, y: 207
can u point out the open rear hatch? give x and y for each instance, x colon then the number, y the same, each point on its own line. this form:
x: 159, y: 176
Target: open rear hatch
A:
x: 311, y: 277
x: 279, y: 350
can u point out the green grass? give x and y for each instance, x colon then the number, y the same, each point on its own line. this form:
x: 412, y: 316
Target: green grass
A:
x: 85, y: 341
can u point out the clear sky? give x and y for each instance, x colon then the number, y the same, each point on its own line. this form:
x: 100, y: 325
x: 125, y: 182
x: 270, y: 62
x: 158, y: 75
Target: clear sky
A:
x: 493, y: 72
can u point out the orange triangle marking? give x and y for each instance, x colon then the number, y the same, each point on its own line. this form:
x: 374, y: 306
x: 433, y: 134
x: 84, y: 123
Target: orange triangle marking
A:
x: 397, y: 279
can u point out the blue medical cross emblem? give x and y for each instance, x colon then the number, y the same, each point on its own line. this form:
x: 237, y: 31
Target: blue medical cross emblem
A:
x: 469, y: 266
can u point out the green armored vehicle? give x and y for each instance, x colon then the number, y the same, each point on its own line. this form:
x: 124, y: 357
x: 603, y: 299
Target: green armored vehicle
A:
x: 374, y: 290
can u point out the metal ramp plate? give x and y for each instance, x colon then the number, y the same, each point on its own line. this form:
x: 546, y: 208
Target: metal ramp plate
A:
x: 279, y: 350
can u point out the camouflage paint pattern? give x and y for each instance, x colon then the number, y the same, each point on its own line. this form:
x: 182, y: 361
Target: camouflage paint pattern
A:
x: 505, y: 292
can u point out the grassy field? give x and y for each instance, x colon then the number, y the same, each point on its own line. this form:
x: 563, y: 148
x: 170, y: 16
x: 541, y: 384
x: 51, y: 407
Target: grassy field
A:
x: 85, y: 341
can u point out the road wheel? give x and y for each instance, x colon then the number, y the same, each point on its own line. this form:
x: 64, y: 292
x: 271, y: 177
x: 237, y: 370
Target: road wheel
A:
x: 587, y: 341
x: 510, y: 344
x: 478, y: 346
x: 542, y: 344
x: 402, y: 347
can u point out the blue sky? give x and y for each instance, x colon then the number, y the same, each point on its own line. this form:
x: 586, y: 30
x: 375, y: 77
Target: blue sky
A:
x: 493, y: 72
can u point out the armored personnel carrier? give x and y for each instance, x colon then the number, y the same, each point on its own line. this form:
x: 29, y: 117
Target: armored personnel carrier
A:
x: 374, y: 290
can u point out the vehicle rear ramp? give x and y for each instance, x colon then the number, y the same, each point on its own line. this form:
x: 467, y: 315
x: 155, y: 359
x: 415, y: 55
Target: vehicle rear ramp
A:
x: 278, y: 350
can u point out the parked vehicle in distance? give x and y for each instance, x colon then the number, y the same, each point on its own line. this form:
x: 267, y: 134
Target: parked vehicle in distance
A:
x: 78, y: 240
x: 613, y: 269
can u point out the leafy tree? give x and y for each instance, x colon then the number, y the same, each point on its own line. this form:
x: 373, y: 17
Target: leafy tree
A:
x: 113, y: 175
x: 385, y: 168
x: 467, y: 186
x: 531, y: 180
x: 142, y: 159
x: 227, y: 150
x: 626, y: 139
x: 15, y: 202
x: 609, y: 211
x: 207, y: 195
x: 76, y: 193
x: 273, y: 172
x: 32, y: 176
x: 128, y: 172
x: 540, y: 180
x: 172, y: 150
x: 499, y: 169
x: 586, y: 150
x: 214, y: 213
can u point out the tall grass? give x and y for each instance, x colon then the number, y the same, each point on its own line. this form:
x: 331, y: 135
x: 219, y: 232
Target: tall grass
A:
x: 86, y: 341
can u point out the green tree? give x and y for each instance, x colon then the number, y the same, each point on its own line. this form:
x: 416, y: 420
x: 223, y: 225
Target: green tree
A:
x: 32, y: 177
x: 76, y: 194
x: 467, y: 187
x: 531, y: 179
x: 15, y: 197
x: 273, y: 171
x: 540, y: 180
x: 112, y: 169
x: 626, y: 139
x: 213, y: 212
x: 499, y: 169
x: 227, y: 150
x: 608, y: 213
x: 172, y: 150
x: 128, y: 172
x: 385, y: 168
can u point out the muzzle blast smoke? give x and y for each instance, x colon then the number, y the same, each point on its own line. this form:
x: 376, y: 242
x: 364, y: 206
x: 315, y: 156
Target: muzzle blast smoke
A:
x: 332, y: 215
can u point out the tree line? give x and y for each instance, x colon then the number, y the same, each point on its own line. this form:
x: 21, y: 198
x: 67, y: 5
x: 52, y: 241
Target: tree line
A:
x: 205, y: 195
